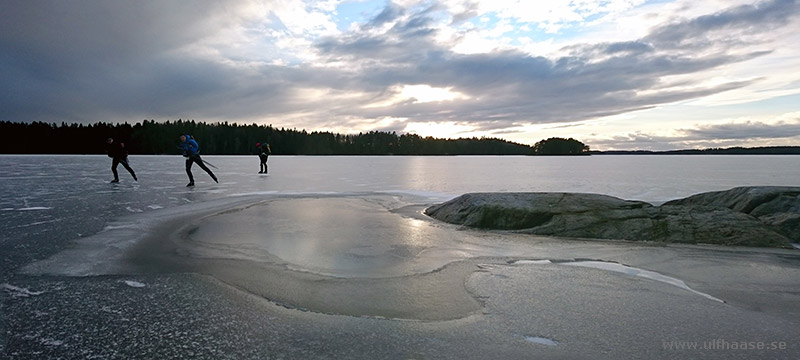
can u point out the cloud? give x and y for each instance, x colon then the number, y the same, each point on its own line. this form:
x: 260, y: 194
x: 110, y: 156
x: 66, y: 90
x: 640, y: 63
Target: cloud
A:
x: 749, y: 133
x: 285, y: 63
x: 747, y: 130
x: 724, y: 27
x: 593, y: 80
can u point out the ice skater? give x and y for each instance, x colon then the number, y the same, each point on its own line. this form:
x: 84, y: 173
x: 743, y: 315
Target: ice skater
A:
x: 263, y: 155
x: 191, y: 150
x: 119, y: 154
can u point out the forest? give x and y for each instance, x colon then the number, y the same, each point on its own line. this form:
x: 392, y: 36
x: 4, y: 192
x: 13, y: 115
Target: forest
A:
x: 151, y: 137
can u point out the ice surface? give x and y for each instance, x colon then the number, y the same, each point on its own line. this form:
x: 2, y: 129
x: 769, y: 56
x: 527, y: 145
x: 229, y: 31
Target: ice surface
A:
x: 541, y: 340
x: 15, y: 291
x: 357, y: 245
x: 324, y: 225
x: 134, y: 284
x: 119, y: 226
x: 104, y: 252
x: 532, y: 262
x: 632, y: 271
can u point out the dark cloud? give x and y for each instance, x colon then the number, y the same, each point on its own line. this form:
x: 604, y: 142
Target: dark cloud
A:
x: 127, y: 60
x: 80, y: 60
x: 747, y: 130
x: 704, y: 136
x: 731, y: 23
x: 389, y: 14
x: 84, y: 34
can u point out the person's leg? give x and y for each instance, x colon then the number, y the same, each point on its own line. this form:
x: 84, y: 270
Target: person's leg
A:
x: 114, y: 164
x: 204, y: 167
x: 189, y: 162
x: 266, y: 169
x: 262, y: 163
x: 124, y: 162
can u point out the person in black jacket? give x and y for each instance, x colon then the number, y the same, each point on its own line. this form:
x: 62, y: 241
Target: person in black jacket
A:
x: 117, y: 151
x: 263, y: 155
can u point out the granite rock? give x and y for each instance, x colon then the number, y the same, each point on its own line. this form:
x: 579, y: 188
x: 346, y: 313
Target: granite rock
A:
x: 759, y: 217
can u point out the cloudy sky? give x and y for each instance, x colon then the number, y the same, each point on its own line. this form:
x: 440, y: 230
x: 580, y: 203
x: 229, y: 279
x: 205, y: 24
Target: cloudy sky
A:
x: 615, y: 74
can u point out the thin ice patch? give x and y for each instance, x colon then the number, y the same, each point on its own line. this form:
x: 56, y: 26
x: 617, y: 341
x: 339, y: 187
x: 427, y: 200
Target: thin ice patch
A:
x: 122, y: 226
x: 541, y: 340
x: 134, y: 284
x: 531, y: 262
x: 16, y: 292
x: 632, y: 271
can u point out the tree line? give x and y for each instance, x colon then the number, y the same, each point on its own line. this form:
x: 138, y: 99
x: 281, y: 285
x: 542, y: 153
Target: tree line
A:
x: 151, y: 137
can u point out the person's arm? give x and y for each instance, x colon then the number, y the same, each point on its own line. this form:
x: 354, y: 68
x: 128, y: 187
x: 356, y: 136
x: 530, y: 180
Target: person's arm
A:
x: 193, y: 146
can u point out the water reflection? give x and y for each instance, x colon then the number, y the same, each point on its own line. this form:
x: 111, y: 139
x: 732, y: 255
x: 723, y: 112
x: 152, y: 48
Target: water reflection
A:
x: 340, y: 236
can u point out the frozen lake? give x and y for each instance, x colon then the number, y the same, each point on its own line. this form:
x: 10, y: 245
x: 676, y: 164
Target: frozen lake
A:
x: 56, y: 199
x: 326, y: 243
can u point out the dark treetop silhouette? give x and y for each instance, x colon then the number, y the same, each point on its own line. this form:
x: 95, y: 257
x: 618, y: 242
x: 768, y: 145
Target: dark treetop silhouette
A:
x: 150, y: 137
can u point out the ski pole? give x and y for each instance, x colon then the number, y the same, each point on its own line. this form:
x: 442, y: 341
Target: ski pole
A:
x: 201, y: 159
x: 209, y: 164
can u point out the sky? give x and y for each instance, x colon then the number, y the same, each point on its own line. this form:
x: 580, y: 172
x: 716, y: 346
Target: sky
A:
x: 614, y: 74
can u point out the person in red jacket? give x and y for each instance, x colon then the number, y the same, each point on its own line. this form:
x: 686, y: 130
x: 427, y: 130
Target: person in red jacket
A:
x: 119, y: 154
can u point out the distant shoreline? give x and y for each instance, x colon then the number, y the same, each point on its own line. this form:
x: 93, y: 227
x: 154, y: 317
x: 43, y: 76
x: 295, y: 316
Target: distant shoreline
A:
x: 768, y: 150
x: 597, y: 153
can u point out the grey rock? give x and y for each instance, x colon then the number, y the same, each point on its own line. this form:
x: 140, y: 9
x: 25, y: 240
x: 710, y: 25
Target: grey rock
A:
x: 778, y: 206
x: 748, y: 199
x: 704, y: 219
x: 513, y: 211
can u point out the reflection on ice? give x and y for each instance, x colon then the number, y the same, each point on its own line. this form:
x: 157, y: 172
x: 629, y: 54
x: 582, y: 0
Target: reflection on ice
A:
x: 342, y: 236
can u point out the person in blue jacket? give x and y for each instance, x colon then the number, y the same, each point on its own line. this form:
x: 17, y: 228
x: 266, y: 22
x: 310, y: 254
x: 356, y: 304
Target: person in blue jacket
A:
x: 191, y: 150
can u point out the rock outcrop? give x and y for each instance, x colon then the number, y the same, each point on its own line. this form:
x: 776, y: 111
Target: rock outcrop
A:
x: 778, y: 206
x: 754, y: 216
